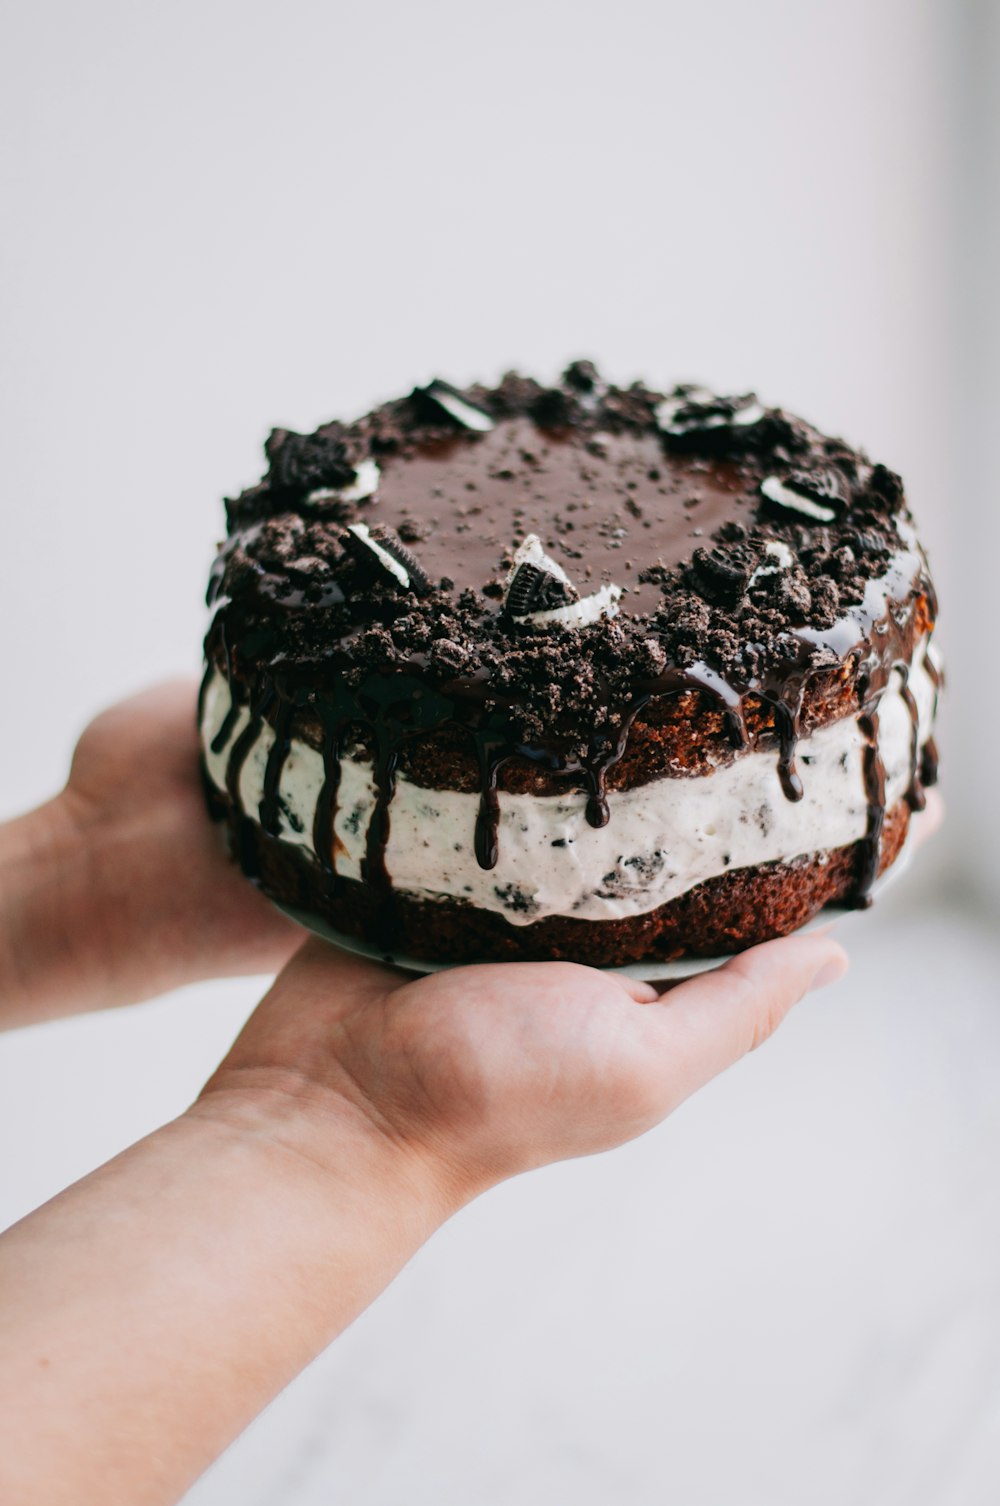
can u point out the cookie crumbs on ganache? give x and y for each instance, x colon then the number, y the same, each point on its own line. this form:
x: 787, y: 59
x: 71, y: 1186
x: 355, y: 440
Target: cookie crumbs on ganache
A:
x: 564, y: 624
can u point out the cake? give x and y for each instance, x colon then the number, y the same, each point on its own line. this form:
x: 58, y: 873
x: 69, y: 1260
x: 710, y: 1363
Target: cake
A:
x: 575, y: 671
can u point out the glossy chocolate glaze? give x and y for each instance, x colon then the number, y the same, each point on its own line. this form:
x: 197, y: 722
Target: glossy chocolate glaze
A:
x: 603, y: 510
x: 611, y: 501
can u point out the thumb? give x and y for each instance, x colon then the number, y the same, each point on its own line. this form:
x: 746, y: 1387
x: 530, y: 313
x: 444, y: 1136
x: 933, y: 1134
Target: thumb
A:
x: 709, y: 1022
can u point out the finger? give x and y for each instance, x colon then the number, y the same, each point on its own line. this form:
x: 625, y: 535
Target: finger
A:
x: 641, y: 993
x: 636, y: 989
x: 573, y: 976
x: 168, y: 703
x: 710, y: 1021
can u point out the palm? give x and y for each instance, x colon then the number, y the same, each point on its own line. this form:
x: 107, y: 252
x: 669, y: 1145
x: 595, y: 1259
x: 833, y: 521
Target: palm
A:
x: 499, y: 1068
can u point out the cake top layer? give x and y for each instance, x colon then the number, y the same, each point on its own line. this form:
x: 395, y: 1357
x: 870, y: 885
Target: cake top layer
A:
x: 555, y: 551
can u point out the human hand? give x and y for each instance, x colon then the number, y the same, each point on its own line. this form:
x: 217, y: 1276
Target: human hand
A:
x: 483, y: 1072
x: 119, y: 888
x: 356, y: 1112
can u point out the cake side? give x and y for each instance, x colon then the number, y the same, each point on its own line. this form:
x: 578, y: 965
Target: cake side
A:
x: 722, y: 915
x: 662, y: 837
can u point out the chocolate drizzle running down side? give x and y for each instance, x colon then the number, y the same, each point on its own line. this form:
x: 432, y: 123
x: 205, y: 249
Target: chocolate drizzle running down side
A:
x: 326, y: 805
x: 260, y: 701
x: 723, y: 593
x: 270, y: 809
x: 916, y: 799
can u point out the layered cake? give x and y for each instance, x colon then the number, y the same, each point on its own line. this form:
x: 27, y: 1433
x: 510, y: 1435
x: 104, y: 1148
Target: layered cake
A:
x: 570, y: 671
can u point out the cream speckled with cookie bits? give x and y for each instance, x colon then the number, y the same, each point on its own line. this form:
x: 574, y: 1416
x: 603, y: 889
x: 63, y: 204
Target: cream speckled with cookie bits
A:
x: 662, y: 839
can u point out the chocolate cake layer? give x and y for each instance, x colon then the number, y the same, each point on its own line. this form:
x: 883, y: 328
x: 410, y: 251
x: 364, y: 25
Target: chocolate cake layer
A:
x: 529, y: 591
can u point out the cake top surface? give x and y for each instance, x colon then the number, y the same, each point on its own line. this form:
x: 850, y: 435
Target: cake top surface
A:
x: 561, y: 549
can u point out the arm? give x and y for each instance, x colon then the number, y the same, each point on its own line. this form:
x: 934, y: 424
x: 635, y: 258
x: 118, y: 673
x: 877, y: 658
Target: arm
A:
x: 119, y: 888
x: 147, y: 1314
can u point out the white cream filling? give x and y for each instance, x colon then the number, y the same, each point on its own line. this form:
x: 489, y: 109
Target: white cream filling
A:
x: 661, y: 840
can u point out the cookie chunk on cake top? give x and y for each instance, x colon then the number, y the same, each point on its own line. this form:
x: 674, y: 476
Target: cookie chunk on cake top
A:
x: 572, y: 671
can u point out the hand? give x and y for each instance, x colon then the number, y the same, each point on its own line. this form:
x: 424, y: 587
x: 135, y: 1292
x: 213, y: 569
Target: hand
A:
x: 120, y: 888
x: 356, y: 1112
x: 483, y: 1072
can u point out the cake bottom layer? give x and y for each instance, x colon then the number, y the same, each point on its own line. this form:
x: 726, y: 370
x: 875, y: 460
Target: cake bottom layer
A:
x: 725, y: 914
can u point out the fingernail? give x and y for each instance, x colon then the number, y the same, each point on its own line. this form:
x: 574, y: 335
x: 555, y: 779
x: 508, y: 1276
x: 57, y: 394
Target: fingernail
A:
x: 832, y: 969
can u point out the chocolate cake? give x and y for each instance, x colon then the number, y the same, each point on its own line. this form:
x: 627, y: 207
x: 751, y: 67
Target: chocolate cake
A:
x: 568, y: 672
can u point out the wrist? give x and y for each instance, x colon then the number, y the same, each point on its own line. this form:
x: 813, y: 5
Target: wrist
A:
x: 229, y: 1247
x: 340, y: 1134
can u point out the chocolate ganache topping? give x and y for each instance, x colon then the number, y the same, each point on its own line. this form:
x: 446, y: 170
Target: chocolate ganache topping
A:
x: 534, y: 575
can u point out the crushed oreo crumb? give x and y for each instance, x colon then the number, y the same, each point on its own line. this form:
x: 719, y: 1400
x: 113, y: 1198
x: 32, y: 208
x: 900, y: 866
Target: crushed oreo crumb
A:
x: 301, y: 463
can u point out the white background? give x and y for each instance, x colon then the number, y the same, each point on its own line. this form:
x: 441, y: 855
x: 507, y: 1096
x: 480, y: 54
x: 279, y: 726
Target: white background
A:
x: 222, y: 216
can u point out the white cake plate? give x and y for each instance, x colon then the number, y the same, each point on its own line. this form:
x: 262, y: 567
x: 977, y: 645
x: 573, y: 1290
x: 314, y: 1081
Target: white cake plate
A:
x: 650, y: 971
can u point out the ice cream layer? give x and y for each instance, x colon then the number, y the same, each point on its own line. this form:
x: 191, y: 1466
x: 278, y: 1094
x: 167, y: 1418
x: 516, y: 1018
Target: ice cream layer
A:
x: 662, y: 838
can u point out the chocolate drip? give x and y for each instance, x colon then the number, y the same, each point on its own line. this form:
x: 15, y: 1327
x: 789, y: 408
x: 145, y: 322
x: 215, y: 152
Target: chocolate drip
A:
x: 229, y: 721
x: 929, y: 764
x: 492, y: 757
x: 270, y: 805
x: 915, y: 797
x: 240, y: 749
x: 786, y: 720
x: 246, y: 846
x: 203, y: 691
x: 601, y: 754
x: 597, y: 811
x: 373, y: 869
x: 323, y: 836
x: 874, y: 778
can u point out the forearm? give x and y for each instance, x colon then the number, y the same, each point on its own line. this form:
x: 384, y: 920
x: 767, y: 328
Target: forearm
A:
x: 168, y: 1297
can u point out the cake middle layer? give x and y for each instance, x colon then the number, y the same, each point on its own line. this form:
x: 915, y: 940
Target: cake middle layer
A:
x: 662, y: 838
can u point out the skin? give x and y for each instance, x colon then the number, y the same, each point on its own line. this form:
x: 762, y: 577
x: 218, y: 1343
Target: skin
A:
x: 150, y: 1311
x: 118, y: 889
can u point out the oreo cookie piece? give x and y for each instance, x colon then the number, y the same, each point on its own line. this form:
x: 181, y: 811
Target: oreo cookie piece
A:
x: 818, y: 494
x: 536, y: 582
x: 383, y: 556
x: 555, y: 408
x: 364, y: 485
x: 535, y: 590
x: 695, y: 411
x: 721, y: 575
x: 577, y: 614
x: 305, y: 464
x: 452, y: 404
x: 582, y: 376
